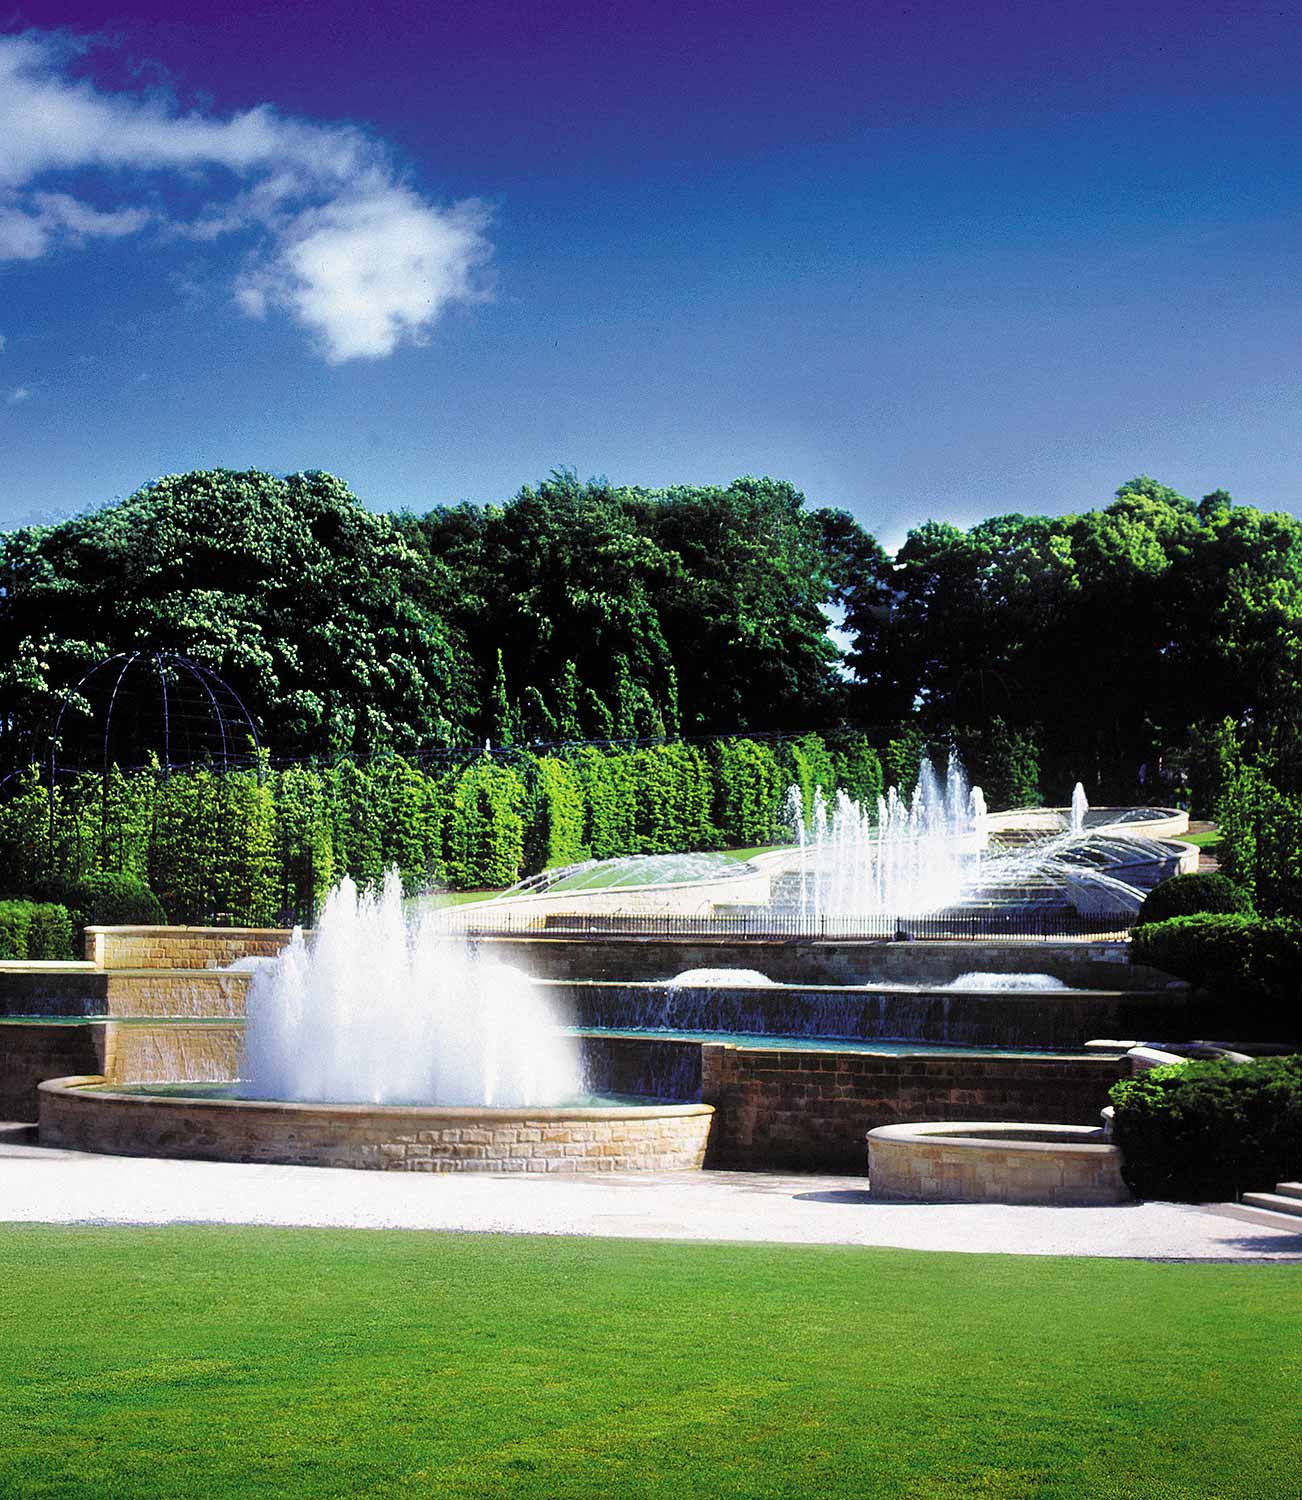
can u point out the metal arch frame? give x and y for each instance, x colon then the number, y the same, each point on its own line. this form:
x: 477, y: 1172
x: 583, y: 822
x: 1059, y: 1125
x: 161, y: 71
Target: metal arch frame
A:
x: 213, y: 686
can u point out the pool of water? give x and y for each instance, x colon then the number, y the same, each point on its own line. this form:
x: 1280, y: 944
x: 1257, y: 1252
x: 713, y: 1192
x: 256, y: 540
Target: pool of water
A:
x: 770, y: 1043
x: 237, y: 1091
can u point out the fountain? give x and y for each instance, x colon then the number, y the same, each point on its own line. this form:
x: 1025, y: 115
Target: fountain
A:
x: 903, y: 858
x: 382, y: 1011
x: 391, y: 1044
x: 1080, y: 805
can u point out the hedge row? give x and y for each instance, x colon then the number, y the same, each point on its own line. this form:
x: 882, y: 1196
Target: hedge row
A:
x: 261, y: 846
x: 36, y: 929
x: 1205, y: 1131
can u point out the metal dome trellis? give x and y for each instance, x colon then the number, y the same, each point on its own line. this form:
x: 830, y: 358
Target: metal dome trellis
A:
x: 140, y: 709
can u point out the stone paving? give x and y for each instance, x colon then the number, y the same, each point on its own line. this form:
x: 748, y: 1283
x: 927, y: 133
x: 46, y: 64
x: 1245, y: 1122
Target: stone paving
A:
x: 68, y: 1187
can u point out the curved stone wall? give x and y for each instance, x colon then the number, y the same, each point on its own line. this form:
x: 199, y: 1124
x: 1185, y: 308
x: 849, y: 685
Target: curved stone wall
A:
x: 984, y: 1161
x: 78, y: 1113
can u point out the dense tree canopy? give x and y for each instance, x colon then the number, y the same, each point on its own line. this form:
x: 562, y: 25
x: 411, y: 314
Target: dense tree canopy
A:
x: 313, y: 608
x: 1144, y: 637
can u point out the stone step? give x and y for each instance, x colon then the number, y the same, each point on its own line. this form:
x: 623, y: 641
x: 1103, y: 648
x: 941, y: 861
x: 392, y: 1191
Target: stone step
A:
x: 1277, y: 1203
x: 1262, y: 1216
x: 1289, y: 1189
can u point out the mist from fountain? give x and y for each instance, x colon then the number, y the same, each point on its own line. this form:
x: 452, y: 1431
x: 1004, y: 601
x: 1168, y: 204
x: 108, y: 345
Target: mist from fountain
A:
x: 914, y: 856
x: 379, y: 1009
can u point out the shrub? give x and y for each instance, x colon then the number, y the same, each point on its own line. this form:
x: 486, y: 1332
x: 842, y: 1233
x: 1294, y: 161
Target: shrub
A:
x: 485, y: 827
x: 105, y: 900
x: 1188, y: 895
x: 35, y: 929
x: 15, y: 927
x: 1253, y: 966
x: 50, y: 933
x: 1202, y: 1131
x: 556, y: 828
x: 748, y: 791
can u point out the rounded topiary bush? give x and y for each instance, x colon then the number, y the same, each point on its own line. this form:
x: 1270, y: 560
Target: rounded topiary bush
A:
x: 108, y: 899
x: 1190, y: 895
x: 1203, y: 1131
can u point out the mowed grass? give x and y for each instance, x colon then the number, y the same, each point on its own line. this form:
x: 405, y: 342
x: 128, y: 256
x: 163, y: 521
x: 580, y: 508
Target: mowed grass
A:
x: 213, y: 1362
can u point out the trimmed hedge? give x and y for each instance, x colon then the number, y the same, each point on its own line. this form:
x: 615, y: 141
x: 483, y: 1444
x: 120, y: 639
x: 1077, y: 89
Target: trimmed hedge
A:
x: 1251, y: 965
x: 1206, y: 1131
x: 35, y: 929
x: 1189, y: 895
x: 262, y: 846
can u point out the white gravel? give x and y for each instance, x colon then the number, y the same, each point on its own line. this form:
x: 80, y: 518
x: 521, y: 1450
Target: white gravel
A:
x: 69, y: 1187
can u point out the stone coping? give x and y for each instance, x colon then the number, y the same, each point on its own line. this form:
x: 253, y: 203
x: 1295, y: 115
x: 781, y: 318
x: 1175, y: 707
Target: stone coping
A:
x: 98, y: 1084
x: 988, y: 1161
x: 1034, y: 1139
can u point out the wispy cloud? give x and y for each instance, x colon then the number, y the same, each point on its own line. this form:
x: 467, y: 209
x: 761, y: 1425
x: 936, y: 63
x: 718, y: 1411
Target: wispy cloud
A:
x: 17, y: 394
x: 331, y: 233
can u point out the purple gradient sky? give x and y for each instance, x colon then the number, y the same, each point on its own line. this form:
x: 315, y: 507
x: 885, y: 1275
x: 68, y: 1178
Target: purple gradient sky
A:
x: 933, y: 259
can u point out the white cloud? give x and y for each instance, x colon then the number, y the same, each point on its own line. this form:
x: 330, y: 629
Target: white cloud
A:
x: 340, y: 242
x: 17, y: 394
x: 2, y: 343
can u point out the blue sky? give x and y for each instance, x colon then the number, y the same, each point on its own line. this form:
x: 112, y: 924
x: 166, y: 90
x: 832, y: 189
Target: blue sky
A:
x: 925, y: 260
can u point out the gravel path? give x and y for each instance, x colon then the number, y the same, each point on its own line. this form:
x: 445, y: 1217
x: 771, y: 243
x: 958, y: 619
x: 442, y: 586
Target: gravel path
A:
x: 69, y: 1187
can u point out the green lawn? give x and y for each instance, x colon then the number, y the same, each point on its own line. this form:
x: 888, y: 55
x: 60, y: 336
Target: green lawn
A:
x: 213, y: 1362
x: 1209, y: 839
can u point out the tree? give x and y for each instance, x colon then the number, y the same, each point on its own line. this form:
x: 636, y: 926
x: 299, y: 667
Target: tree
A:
x: 314, y: 609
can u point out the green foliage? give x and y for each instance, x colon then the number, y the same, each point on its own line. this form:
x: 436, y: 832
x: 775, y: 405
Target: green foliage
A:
x: 314, y: 608
x: 1188, y: 895
x: 814, y: 770
x: 256, y: 847
x: 609, y: 810
x: 104, y: 899
x: 50, y: 933
x: 902, y: 759
x: 1261, y: 828
x: 1253, y: 967
x: 1004, y: 762
x: 748, y: 789
x: 859, y: 770
x: 357, y: 835
x: 1204, y: 1131
x: 672, y: 795
x: 557, y: 827
x: 485, y: 827
x: 15, y: 928
x: 304, y: 849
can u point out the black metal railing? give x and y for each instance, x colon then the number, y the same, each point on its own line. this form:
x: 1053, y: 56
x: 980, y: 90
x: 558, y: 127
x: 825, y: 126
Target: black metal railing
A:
x: 974, y: 926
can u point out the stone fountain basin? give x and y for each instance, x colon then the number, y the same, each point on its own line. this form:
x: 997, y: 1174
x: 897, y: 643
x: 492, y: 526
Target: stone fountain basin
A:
x: 989, y: 1161
x: 83, y: 1113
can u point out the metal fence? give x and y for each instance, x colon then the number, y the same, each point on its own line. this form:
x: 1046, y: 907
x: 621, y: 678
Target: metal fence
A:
x: 967, y: 926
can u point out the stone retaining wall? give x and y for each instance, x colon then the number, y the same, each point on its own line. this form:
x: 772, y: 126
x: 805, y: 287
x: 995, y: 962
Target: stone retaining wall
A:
x: 813, y: 1109
x: 653, y: 1138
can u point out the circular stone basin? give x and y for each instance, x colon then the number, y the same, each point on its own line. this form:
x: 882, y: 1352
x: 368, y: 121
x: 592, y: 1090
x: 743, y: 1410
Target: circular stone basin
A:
x: 985, y: 1161
x: 85, y: 1114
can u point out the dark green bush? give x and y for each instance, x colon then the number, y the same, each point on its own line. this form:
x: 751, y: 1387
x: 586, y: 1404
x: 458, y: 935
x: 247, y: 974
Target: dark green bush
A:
x: 107, y: 899
x: 50, y: 933
x: 15, y: 928
x: 35, y: 929
x: 1189, y: 895
x: 1253, y: 968
x: 1205, y: 1131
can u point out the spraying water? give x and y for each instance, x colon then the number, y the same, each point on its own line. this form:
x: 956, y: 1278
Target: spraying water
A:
x: 1080, y: 805
x: 380, y: 1010
x: 911, y: 857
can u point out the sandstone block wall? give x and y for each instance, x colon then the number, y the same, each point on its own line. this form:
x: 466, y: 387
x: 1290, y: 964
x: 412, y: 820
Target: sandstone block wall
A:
x: 922, y: 1169
x: 671, y: 1139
